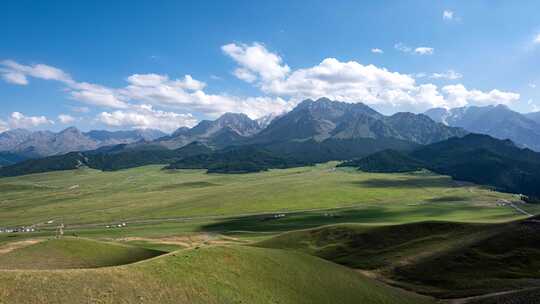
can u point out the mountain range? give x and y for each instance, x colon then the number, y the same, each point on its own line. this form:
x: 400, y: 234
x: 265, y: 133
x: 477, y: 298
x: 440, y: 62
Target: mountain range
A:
x: 28, y: 144
x: 313, y: 132
x: 498, y: 121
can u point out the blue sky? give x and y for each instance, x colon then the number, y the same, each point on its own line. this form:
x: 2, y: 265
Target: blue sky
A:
x: 165, y: 64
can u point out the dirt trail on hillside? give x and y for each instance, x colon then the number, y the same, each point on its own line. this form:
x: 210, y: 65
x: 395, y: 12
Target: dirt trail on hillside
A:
x: 16, y: 245
x: 188, y: 241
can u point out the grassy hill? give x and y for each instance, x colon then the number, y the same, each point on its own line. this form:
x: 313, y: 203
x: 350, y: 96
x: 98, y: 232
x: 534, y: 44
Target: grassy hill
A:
x: 207, y: 275
x: 67, y: 253
x: 446, y: 260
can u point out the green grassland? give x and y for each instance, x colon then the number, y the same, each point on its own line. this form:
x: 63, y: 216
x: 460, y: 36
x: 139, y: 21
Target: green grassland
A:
x: 90, y: 196
x: 217, y: 274
x: 226, y: 244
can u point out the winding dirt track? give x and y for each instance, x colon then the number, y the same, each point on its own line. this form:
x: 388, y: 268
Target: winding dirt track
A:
x: 19, y: 244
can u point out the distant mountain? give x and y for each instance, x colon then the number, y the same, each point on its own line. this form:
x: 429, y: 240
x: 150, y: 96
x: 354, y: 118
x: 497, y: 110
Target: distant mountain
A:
x: 46, y: 143
x: 497, y: 121
x: 323, y: 119
x: 476, y: 158
x: 122, y: 137
x: 228, y: 129
x: 266, y: 120
x: 535, y: 116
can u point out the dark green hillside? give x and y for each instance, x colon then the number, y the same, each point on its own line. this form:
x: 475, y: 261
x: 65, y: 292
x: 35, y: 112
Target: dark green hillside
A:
x: 236, y: 160
x: 312, y: 151
x: 475, y: 158
x: 8, y: 158
x: 446, y: 260
x: 115, y: 158
x: 140, y: 157
x: 385, y: 162
x: 68, y: 161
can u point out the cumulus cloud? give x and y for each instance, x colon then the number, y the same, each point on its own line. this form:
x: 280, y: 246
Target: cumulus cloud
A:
x: 19, y: 120
x: 377, y: 51
x: 448, y: 15
x: 255, y: 62
x: 532, y: 85
x: 536, y: 39
x: 163, y: 102
x: 386, y: 90
x: 97, y: 95
x: 65, y: 118
x: 145, y: 117
x: 458, y: 96
x: 185, y: 94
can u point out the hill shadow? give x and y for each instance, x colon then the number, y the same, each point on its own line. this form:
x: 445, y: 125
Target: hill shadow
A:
x: 404, y: 183
x: 281, y: 222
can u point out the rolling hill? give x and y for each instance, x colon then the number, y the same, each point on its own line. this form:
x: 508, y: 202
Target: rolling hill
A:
x: 442, y: 259
x: 222, y: 274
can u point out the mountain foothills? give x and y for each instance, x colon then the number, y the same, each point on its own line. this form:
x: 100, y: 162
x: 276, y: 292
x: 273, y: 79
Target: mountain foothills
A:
x: 475, y: 158
x: 497, y: 121
x: 313, y: 132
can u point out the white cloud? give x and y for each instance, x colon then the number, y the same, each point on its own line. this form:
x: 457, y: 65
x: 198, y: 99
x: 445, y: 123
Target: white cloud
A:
x: 185, y: 94
x: 245, y: 75
x: 256, y: 62
x: 80, y: 109
x: 532, y: 85
x: 450, y: 74
x: 400, y: 46
x: 66, y: 119
x: 97, y: 95
x: 423, y: 50
x: 536, y: 39
x: 458, y: 96
x: 14, y: 78
x: 159, y: 101
x: 377, y: 51
x: 386, y: 90
x: 19, y: 120
x: 448, y: 15
x: 41, y: 71
x: 145, y: 117
x: 3, y: 126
